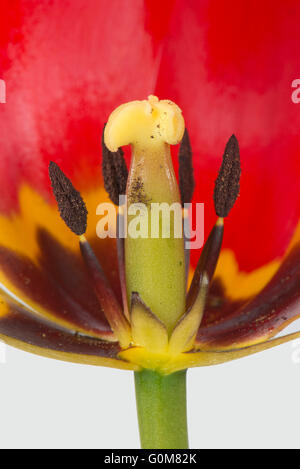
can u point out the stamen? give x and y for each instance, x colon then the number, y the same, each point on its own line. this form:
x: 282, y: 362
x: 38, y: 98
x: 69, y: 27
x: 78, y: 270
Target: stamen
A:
x: 186, y: 187
x: 227, y: 186
x: 121, y: 263
x: 147, y: 330
x: 186, y: 170
x: 114, y: 172
x: 187, y: 235
x: 207, y: 262
x: 105, y: 294
x: 73, y: 211
x: 185, y: 331
x: 71, y: 206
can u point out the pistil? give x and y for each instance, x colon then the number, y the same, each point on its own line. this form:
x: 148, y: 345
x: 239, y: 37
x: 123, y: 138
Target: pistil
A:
x: 155, y: 266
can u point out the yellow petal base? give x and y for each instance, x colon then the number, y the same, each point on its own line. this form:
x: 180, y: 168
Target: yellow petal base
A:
x: 166, y: 363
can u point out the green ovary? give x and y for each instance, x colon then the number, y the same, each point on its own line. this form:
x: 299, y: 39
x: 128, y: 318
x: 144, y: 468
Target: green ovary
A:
x: 155, y: 266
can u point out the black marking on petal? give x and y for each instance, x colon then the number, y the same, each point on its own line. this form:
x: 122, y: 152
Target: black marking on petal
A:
x: 186, y: 171
x: 227, y: 185
x: 71, y: 206
x: 114, y: 172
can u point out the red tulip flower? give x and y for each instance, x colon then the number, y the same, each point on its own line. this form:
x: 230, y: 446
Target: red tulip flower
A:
x: 231, y: 68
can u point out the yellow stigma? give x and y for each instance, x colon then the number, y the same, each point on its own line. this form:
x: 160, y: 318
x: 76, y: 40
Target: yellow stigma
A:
x: 144, y: 123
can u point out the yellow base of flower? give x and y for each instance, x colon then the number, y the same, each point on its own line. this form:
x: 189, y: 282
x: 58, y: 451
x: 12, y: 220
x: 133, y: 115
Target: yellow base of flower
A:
x: 166, y: 363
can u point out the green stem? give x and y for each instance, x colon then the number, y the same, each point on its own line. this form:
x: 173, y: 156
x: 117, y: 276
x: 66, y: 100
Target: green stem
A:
x: 161, y: 407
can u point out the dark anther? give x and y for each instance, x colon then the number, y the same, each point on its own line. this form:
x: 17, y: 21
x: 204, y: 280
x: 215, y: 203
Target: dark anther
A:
x: 114, y: 172
x: 227, y: 185
x: 186, y: 171
x: 71, y: 206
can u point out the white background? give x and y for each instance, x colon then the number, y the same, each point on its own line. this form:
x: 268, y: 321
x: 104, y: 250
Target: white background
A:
x: 250, y: 403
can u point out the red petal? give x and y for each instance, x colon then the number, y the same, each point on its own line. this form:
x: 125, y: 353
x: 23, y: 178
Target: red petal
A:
x: 229, y: 66
x: 66, y: 65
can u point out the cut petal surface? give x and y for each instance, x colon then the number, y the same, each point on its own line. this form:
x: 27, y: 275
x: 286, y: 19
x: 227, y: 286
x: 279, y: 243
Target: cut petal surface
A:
x: 269, y: 312
x: 40, y: 263
x: 21, y: 329
x: 208, y: 358
x: 232, y: 288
